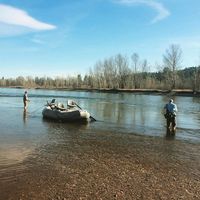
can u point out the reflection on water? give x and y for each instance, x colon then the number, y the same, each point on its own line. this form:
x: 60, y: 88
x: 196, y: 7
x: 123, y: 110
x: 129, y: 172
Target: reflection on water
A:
x: 138, y: 113
x: 170, y: 133
x: 25, y: 116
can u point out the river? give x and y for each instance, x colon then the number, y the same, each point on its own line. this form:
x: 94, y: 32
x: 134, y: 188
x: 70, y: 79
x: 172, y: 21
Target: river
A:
x: 29, y: 144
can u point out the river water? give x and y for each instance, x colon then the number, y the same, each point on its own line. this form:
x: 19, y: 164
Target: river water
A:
x: 134, y: 118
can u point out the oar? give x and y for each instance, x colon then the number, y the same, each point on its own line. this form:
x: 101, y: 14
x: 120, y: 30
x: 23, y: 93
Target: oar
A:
x: 82, y: 109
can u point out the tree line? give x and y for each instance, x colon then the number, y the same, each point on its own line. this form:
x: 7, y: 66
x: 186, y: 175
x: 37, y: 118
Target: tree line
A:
x: 121, y: 72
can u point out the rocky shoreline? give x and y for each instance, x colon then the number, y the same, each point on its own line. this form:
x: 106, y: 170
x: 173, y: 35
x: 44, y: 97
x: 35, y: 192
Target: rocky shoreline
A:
x: 111, y: 167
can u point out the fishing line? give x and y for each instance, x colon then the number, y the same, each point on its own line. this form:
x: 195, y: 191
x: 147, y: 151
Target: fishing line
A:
x: 31, y: 113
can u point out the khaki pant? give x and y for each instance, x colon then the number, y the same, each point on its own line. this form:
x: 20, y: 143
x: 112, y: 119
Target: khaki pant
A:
x: 25, y: 105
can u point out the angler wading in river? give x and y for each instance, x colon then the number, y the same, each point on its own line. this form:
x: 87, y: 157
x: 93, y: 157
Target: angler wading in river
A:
x: 170, y: 115
x: 25, y: 100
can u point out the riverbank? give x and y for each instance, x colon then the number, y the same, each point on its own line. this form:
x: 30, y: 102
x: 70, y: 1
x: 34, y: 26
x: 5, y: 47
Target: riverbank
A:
x: 107, y: 166
x: 174, y: 92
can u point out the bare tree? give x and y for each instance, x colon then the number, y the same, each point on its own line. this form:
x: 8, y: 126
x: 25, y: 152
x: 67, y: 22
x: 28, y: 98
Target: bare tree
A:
x: 3, y: 82
x: 79, y: 80
x: 98, y: 75
x: 20, y: 81
x: 172, y: 61
x: 135, y: 61
x: 196, y: 75
x: 110, y: 72
x: 123, y: 70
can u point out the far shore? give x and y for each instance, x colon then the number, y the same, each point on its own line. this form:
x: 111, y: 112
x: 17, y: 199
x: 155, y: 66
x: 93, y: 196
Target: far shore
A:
x: 174, y: 92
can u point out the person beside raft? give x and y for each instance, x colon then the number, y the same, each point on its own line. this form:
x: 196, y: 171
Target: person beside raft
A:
x: 25, y: 100
x: 170, y: 114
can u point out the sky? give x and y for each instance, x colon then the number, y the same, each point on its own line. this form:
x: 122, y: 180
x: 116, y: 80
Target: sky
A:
x: 67, y: 37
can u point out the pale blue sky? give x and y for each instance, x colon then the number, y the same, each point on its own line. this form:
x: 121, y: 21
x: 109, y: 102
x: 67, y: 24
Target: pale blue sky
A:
x: 67, y: 37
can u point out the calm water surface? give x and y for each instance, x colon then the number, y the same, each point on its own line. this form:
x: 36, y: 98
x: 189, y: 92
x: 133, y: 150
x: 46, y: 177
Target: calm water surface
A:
x: 27, y: 135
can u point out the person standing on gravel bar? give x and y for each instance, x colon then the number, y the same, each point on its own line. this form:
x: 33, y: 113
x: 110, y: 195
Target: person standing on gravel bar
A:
x: 170, y: 114
x: 25, y: 100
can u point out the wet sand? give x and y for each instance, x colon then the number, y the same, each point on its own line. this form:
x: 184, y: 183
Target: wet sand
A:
x: 105, y: 165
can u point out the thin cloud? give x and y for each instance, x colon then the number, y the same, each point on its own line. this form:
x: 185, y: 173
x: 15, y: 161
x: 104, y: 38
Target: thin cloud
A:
x: 37, y: 41
x: 11, y: 16
x: 161, y: 10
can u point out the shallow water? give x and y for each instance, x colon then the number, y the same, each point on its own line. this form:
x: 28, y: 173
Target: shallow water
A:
x: 31, y: 145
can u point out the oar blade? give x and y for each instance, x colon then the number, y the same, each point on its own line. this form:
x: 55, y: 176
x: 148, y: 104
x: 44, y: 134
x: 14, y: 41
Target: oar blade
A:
x: 92, y: 118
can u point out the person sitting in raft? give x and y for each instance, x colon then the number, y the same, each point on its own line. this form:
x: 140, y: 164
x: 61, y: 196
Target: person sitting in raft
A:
x: 170, y: 114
